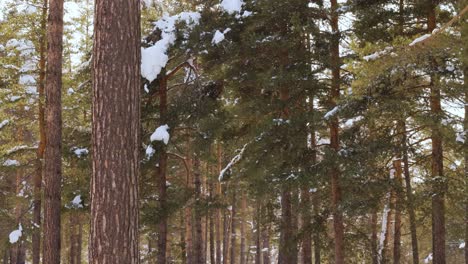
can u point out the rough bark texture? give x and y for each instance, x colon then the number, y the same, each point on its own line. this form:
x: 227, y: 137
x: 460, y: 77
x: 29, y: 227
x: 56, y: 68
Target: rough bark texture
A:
x: 464, y: 31
x: 338, y: 228
x: 438, y: 197
x: 188, y: 209
x: 116, y: 124
x: 53, y: 112
x: 266, y: 244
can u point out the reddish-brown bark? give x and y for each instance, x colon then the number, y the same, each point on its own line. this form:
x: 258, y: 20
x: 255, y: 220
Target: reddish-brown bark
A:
x: 116, y: 125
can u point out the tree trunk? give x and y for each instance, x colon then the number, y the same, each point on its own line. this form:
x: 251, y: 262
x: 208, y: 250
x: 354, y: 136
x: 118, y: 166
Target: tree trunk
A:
x: 218, y: 210
x: 53, y: 148
x: 116, y: 125
x: 188, y: 208
x: 226, y: 237
x: 464, y: 31
x: 212, y: 238
x: 409, y: 195
x: 258, y: 231
x: 233, y: 226
x: 266, y: 244
x: 72, y: 232
x: 398, y: 201
x: 37, y: 195
x: 373, y: 239
x: 198, y: 241
x: 243, y: 213
x: 161, y: 172
x: 338, y: 228
x: 439, y: 184
x: 306, y: 223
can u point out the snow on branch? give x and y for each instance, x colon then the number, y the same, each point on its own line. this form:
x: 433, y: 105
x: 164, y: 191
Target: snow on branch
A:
x: 233, y: 161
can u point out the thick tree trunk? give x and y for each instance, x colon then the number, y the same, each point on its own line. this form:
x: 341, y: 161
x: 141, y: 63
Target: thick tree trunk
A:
x: 226, y: 232
x: 53, y: 148
x: 398, y: 205
x: 116, y: 125
x: 439, y: 184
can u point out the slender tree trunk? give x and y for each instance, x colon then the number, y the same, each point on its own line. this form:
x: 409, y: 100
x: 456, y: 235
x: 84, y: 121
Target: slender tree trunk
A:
x: 398, y: 206
x: 373, y: 240
x: 37, y: 204
x: 116, y: 126
x: 53, y: 148
x: 266, y: 244
x: 188, y: 209
x: 318, y: 223
x: 226, y: 237
x: 79, y: 240
x: 338, y: 228
x: 439, y: 184
x: 198, y: 241
x: 233, y: 226
x: 72, y: 232
x: 258, y: 231
x: 161, y: 172
x: 218, y: 210
x: 183, y: 248
x: 243, y: 213
x: 464, y: 31
x: 211, y: 217
x: 306, y: 222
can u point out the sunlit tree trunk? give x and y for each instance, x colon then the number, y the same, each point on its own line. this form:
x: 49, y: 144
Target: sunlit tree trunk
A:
x: 53, y: 147
x: 116, y: 126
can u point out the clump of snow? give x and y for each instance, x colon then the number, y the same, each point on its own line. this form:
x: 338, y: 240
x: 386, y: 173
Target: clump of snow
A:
x: 76, y: 202
x: 421, y: 38
x: 16, y: 234
x: 462, y: 245
x: 80, y: 151
x: 161, y: 134
x: 332, y: 112
x: 313, y: 5
x: 14, y: 98
x: 233, y: 161
x: 154, y: 58
x: 149, y: 152
x: 232, y: 6
x: 70, y: 91
x: 378, y: 54
x: 352, y: 121
x: 10, y: 162
x: 428, y: 259
x: 4, y: 123
x: 461, y: 137
x: 219, y: 36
